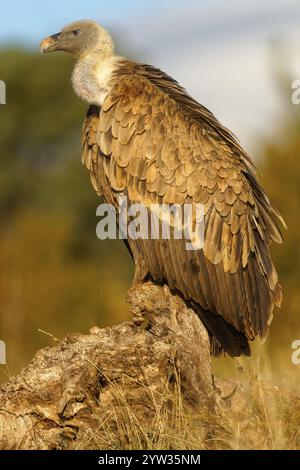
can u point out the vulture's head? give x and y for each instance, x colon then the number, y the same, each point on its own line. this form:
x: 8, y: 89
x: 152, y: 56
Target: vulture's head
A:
x: 79, y: 39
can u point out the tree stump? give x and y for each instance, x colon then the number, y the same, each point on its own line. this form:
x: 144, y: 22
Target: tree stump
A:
x: 70, y: 395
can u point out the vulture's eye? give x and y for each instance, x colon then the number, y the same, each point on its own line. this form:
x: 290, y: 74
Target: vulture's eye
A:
x: 76, y: 32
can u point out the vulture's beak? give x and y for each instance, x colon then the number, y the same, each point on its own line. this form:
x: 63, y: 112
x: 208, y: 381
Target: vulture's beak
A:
x: 51, y: 44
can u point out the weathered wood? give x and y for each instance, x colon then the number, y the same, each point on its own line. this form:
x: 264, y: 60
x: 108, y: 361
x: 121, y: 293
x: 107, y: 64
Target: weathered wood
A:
x: 69, y: 393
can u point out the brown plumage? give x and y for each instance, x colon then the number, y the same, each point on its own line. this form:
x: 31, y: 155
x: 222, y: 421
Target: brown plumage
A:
x: 149, y: 140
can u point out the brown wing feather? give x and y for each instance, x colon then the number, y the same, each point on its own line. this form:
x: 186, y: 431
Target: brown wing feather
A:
x: 156, y: 144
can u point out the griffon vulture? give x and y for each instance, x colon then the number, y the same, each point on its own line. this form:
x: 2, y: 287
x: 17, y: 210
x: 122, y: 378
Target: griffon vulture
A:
x: 146, y: 138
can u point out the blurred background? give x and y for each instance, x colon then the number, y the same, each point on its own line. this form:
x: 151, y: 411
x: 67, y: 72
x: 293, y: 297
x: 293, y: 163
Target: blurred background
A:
x: 237, y: 58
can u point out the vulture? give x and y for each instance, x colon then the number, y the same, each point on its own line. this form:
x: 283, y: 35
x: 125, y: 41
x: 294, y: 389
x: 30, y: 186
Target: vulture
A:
x: 146, y: 138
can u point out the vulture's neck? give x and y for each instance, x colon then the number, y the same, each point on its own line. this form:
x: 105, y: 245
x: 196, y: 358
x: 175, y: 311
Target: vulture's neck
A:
x: 92, y: 76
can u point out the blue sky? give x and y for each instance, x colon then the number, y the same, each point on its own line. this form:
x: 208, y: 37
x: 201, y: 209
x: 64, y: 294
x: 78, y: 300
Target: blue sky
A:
x: 218, y: 49
x: 29, y: 20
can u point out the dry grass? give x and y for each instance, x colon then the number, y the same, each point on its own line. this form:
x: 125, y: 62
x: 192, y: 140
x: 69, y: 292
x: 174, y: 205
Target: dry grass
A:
x: 260, y: 415
x: 263, y: 413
